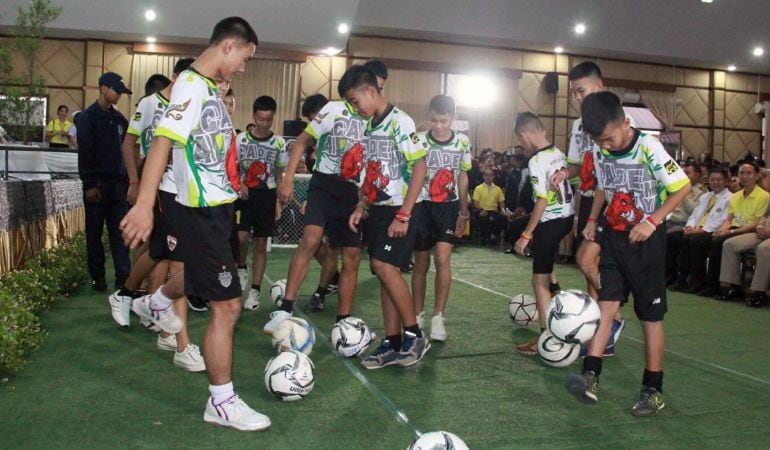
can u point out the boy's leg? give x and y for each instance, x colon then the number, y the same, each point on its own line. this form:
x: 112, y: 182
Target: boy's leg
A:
x: 388, y: 352
x: 442, y: 256
x: 218, y: 340
x: 420, y: 279
x: 588, y: 262
x: 351, y: 259
x: 300, y: 260
x: 158, y: 275
x: 258, y: 263
x: 651, y: 396
x: 243, y: 248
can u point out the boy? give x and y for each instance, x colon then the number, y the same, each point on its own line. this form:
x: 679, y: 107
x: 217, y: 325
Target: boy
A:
x: 261, y: 157
x: 164, y: 244
x: 444, y: 203
x: 395, y: 172
x: 196, y: 123
x: 551, y: 218
x: 642, y: 185
x: 340, y: 133
x: 585, y: 79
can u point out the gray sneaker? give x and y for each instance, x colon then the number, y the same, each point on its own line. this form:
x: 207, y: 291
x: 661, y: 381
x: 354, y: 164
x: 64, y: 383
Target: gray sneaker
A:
x: 383, y: 356
x: 413, y: 350
x: 585, y: 386
x: 650, y: 402
x: 316, y: 303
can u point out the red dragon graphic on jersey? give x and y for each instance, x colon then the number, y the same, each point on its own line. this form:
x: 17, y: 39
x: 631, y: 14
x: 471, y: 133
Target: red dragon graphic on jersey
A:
x: 374, y: 183
x: 622, y: 213
x: 442, y: 186
x: 231, y: 165
x: 256, y: 175
x: 353, y: 162
x: 588, y: 173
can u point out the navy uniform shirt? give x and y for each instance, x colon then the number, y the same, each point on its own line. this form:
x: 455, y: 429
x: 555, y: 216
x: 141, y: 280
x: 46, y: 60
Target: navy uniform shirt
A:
x: 100, y: 138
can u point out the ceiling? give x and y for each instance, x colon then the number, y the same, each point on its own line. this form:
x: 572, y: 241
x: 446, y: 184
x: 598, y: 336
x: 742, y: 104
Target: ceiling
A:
x: 682, y: 32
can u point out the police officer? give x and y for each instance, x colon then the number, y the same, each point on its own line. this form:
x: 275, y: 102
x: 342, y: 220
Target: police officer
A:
x: 101, y: 129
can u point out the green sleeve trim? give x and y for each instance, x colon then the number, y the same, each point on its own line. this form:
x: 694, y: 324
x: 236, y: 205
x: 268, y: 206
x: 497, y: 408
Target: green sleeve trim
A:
x: 309, y: 130
x: 134, y: 131
x: 674, y: 187
x: 572, y: 161
x: 165, y: 132
x: 416, y: 155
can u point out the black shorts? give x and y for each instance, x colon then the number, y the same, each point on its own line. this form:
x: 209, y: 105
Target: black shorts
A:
x: 638, y: 269
x: 545, y: 243
x: 586, y: 203
x: 257, y: 213
x: 164, y: 240
x: 438, y: 222
x: 394, y: 251
x: 209, y: 271
x: 330, y: 202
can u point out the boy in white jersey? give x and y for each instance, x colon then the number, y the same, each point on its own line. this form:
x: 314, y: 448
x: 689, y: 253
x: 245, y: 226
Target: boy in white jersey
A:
x: 196, y: 123
x: 332, y: 195
x: 642, y: 185
x: 444, y: 203
x: 165, y: 248
x: 395, y: 172
x: 552, y: 216
x: 261, y: 157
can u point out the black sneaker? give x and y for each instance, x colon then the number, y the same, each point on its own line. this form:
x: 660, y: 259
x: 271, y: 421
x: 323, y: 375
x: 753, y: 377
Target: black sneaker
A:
x: 99, y: 284
x: 333, y: 284
x: 197, y: 304
x: 649, y: 404
x: 554, y: 288
x: 585, y: 386
x: 316, y: 303
x: 756, y: 300
x: 407, y: 268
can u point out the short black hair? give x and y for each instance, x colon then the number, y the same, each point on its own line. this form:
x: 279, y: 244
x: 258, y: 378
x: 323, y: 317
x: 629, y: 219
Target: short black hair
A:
x: 378, y: 67
x: 233, y: 28
x: 264, y: 103
x: 156, y: 83
x: 442, y: 104
x: 722, y: 170
x: 599, y: 110
x: 313, y: 104
x: 527, y: 121
x: 230, y: 93
x: 355, y: 77
x: 251, y: 125
x: 62, y: 106
x: 750, y: 163
x: 584, y: 70
x: 182, y: 65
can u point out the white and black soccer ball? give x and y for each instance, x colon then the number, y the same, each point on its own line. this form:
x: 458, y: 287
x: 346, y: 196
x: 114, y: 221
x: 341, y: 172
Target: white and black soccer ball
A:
x: 523, y: 310
x: 556, y: 353
x: 277, y: 291
x: 573, y: 316
x: 289, y: 376
x: 295, y: 334
x: 438, y: 440
x: 350, y: 336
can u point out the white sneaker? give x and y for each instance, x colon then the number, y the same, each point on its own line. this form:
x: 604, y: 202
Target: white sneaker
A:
x: 252, y: 302
x: 437, y: 329
x: 243, y: 277
x: 121, y: 309
x: 235, y: 413
x: 167, y: 344
x: 421, y: 319
x: 165, y: 318
x: 190, y: 359
x: 276, y: 317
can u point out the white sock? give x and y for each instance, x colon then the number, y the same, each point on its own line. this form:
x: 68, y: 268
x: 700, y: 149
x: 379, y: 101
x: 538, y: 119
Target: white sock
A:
x: 222, y: 392
x: 158, y: 300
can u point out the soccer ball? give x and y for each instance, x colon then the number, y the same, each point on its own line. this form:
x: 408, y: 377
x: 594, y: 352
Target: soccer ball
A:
x: 289, y: 376
x: 350, y: 336
x: 573, y: 316
x: 438, y: 440
x: 294, y: 334
x: 277, y: 291
x: 523, y: 310
x: 554, y: 352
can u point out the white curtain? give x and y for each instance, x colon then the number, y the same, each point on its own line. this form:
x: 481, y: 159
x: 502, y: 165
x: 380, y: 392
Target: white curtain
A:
x: 662, y: 104
x: 144, y: 66
x: 411, y: 91
x: 494, y: 124
x: 278, y: 79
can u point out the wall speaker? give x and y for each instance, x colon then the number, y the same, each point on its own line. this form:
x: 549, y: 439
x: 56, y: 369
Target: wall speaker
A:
x: 551, y: 82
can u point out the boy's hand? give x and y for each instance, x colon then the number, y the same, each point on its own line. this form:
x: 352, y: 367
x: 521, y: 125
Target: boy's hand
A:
x: 93, y: 195
x: 131, y: 194
x: 641, y: 232
x: 397, y: 229
x: 460, y: 226
x: 521, y: 246
x: 589, y: 232
x: 136, y: 225
x: 243, y: 192
x: 557, y: 179
x: 355, y: 219
x: 285, y: 190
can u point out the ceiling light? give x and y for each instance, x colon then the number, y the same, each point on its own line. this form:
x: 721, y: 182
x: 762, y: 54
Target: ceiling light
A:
x: 558, y: 49
x: 343, y: 28
x: 731, y: 68
x: 476, y: 91
x: 331, y: 51
x: 758, y: 51
x: 706, y: 1
x: 151, y: 39
x: 580, y: 28
x: 149, y: 15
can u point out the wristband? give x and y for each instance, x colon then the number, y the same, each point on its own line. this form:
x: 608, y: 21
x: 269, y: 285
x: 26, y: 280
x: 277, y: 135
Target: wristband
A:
x: 402, y: 216
x: 652, y: 221
x: 525, y: 236
x: 464, y: 216
x: 649, y: 223
x: 363, y: 205
x: 133, y: 182
x: 590, y: 219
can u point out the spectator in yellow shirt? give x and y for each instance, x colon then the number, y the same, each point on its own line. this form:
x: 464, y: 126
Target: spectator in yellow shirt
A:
x: 57, y: 131
x: 488, y: 201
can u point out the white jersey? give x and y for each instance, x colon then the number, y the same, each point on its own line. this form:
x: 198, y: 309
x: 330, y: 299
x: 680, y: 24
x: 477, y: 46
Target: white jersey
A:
x: 542, y: 166
x: 445, y: 161
x: 143, y: 123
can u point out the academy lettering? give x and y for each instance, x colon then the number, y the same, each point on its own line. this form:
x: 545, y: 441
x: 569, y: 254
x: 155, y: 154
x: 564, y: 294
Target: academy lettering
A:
x: 380, y: 148
x: 439, y: 158
x: 346, y: 131
x: 634, y: 178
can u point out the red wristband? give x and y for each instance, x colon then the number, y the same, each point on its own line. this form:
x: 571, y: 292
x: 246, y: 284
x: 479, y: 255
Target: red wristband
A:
x: 652, y: 221
x: 402, y: 216
x: 590, y: 219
